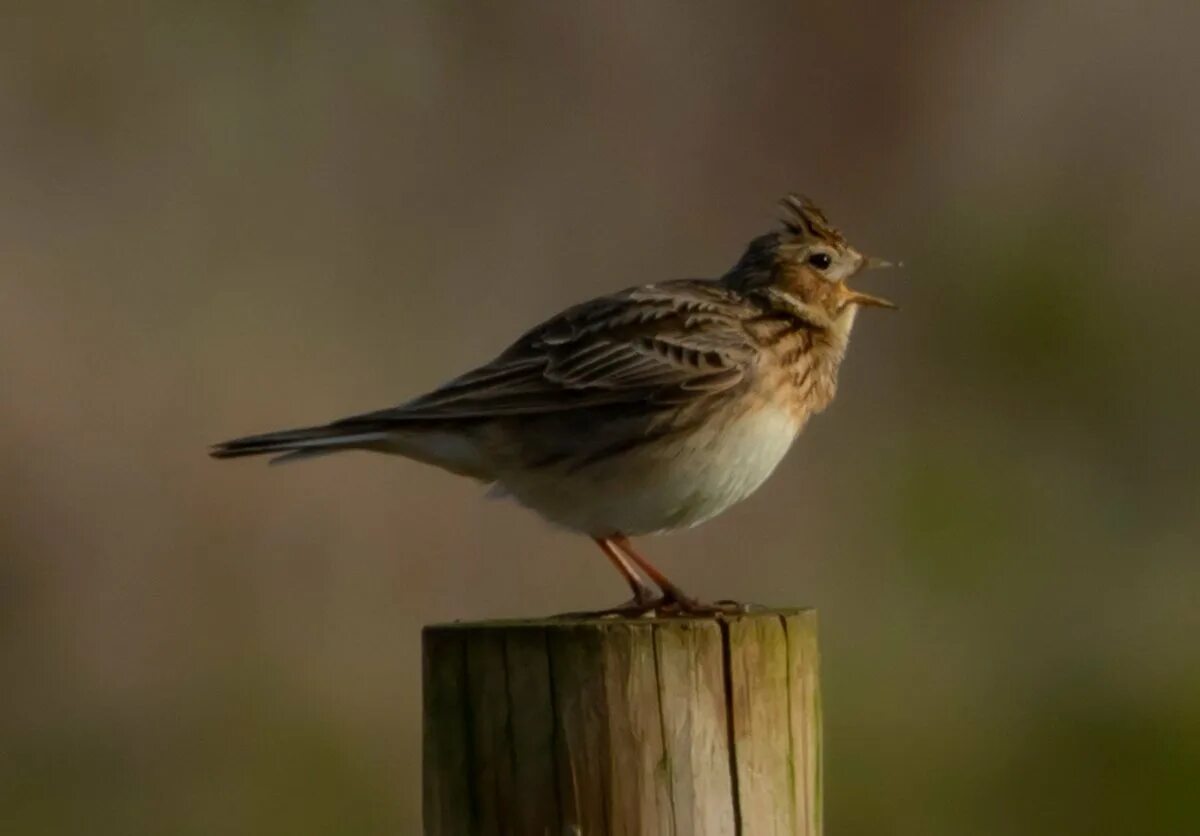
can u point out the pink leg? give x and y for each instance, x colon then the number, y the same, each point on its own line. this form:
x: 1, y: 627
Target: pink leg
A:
x: 674, y: 599
x: 670, y: 590
x: 642, y: 592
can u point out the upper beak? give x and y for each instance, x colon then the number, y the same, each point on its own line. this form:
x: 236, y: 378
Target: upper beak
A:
x: 873, y: 262
x: 866, y: 299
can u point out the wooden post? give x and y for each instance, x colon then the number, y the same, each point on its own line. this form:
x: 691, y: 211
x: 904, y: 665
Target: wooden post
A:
x: 624, y: 727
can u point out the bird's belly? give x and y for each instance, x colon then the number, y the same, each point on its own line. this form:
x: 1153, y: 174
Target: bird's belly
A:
x: 663, y: 485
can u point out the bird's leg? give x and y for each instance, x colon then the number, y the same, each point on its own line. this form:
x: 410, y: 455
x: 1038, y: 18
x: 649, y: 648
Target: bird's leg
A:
x: 671, y: 593
x: 674, y: 600
x: 643, y: 593
x: 645, y: 599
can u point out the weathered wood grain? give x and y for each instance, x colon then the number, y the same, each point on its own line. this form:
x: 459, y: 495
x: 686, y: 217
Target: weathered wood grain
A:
x: 449, y: 809
x: 618, y: 727
x: 695, y: 717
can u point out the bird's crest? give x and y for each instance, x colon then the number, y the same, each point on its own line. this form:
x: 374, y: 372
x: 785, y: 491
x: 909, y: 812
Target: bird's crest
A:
x: 804, y: 219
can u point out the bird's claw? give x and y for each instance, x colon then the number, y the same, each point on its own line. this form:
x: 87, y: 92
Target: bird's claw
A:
x: 682, y: 605
x: 669, y: 605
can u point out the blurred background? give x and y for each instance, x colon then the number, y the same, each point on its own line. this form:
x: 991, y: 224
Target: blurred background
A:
x: 224, y: 218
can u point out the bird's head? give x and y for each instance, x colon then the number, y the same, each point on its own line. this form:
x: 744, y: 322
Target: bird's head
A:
x: 807, y: 262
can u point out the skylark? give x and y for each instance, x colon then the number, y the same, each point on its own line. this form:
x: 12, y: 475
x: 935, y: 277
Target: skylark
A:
x: 648, y: 410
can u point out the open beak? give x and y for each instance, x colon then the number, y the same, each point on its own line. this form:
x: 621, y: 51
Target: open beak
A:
x: 853, y: 297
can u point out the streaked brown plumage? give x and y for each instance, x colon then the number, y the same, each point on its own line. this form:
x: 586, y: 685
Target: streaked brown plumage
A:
x: 651, y: 409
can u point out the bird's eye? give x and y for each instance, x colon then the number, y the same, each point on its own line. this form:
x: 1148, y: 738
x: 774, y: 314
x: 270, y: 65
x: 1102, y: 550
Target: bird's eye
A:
x: 820, y: 260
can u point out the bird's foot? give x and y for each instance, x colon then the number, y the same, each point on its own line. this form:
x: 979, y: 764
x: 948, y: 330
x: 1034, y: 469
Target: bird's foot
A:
x: 645, y: 601
x: 667, y: 607
x: 675, y: 603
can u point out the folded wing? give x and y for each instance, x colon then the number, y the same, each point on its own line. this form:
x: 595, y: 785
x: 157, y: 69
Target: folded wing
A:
x: 658, y: 344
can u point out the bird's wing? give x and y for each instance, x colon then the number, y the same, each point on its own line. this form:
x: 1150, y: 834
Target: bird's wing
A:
x: 658, y: 344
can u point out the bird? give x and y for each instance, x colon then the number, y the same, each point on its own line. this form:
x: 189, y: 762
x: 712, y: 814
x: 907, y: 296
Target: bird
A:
x: 641, y: 412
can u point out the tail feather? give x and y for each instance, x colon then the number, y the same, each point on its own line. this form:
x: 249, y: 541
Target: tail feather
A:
x: 290, y: 445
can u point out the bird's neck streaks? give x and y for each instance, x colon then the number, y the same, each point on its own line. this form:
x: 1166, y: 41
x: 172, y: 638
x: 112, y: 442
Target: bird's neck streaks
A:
x: 806, y: 347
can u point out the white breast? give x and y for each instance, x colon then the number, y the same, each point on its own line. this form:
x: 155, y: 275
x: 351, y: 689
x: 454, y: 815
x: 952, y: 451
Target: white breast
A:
x: 665, y: 486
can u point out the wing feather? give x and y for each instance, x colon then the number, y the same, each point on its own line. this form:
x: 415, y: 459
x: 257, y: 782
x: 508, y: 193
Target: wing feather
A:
x: 660, y: 344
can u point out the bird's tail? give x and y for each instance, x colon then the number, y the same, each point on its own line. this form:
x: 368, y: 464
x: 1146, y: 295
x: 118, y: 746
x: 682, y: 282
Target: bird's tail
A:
x: 304, y: 443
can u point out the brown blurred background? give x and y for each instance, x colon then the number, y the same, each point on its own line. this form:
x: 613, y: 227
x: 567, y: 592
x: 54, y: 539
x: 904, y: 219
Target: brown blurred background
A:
x: 220, y: 218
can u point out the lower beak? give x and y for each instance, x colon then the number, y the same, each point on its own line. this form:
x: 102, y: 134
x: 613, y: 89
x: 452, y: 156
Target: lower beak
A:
x: 869, y: 301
